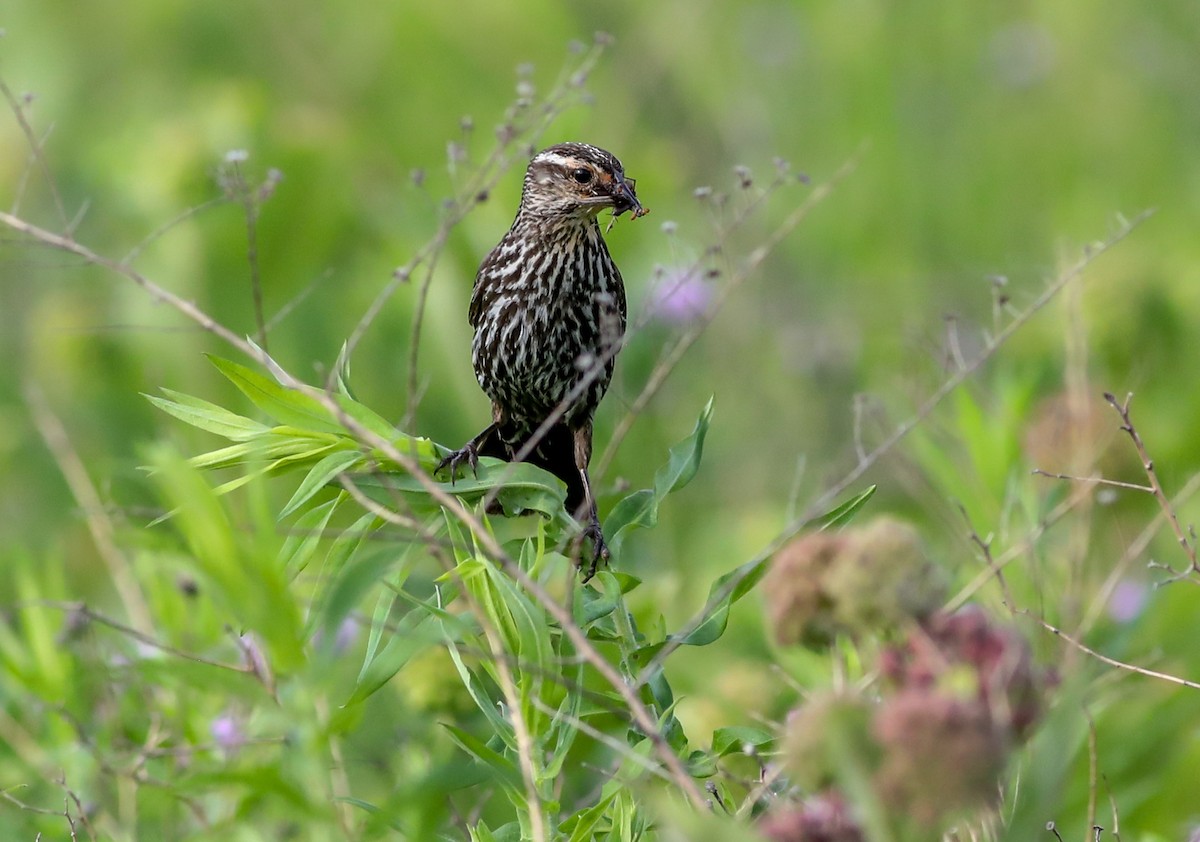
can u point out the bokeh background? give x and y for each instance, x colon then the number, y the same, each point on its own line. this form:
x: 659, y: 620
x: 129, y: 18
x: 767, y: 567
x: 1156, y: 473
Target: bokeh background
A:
x: 991, y: 142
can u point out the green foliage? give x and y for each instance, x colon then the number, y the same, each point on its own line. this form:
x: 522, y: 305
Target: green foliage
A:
x: 535, y: 715
x: 277, y: 657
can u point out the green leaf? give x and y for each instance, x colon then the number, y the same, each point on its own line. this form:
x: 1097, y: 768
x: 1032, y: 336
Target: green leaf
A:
x: 358, y: 578
x: 412, y: 635
x: 734, y: 585
x: 208, y: 416
x: 564, y: 727
x: 306, y: 535
x: 383, y: 815
x: 736, y: 738
x: 520, y: 487
x: 319, y: 476
x: 509, y: 775
x: 723, y: 593
x: 841, y: 515
x: 640, y: 509
x: 478, y: 692
x: 371, y: 420
x: 594, y: 603
x: 277, y: 448
x: 582, y: 824
x: 289, y: 407
x: 684, y: 460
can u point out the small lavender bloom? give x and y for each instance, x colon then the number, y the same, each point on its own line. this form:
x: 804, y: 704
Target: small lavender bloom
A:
x: 1127, y: 601
x: 227, y: 732
x: 343, y: 638
x: 347, y: 633
x: 681, y: 297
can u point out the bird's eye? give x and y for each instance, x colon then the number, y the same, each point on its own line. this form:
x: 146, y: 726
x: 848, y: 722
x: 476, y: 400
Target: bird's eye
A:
x: 583, y: 175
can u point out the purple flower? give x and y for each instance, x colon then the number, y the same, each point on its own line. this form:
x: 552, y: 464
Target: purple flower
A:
x: 680, y: 297
x: 343, y: 638
x: 227, y: 732
x: 347, y: 633
x: 1127, y: 600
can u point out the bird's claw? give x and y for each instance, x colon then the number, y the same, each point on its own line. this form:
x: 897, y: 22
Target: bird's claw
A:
x: 467, y: 453
x: 600, y: 551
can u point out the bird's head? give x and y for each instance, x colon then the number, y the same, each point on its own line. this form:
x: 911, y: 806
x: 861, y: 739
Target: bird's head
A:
x: 578, y: 180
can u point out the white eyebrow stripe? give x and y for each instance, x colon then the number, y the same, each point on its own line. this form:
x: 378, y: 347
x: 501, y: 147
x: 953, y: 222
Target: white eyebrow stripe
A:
x: 555, y: 158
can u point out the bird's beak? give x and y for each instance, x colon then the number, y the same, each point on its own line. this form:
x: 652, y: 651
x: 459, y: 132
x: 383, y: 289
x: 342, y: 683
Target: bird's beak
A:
x: 625, y: 199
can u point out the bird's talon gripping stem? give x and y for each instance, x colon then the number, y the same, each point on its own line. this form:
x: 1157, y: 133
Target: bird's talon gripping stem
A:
x: 593, y: 533
x: 468, y: 453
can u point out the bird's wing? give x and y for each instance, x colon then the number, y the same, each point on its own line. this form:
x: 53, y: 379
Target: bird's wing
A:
x: 486, y: 279
x: 620, y: 296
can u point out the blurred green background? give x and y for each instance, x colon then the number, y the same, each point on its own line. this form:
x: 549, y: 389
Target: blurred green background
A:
x: 992, y: 141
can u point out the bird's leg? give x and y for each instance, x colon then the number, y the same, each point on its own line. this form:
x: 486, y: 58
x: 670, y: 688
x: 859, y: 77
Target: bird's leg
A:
x: 591, y: 530
x: 468, y: 453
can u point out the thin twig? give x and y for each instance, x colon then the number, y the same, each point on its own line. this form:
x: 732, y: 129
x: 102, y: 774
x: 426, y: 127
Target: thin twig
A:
x: 1189, y: 546
x: 637, y: 709
x: 1079, y: 495
x: 293, y: 302
x: 249, y: 198
x: 1093, y: 766
x: 1132, y: 486
x: 1112, y: 662
x: 1090, y: 255
x: 985, y: 548
x: 1112, y: 803
x: 526, y: 747
x: 1131, y: 552
x: 823, y: 502
x: 36, y: 150
x: 748, y: 268
x: 80, y: 609
x: 136, y: 252
x: 71, y: 467
x: 187, y: 308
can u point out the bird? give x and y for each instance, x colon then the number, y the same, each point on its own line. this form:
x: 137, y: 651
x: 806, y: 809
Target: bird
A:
x: 549, y: 314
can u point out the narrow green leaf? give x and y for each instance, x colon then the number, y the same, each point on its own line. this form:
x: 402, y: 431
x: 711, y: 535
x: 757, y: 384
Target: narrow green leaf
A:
x: 509, y: 774
x: 357, y: 578
x: 413, y: 634
x: 207, y: 416
x: 564, y: 727
x: 379, y: 624
x: 487, y: 705
x: 734, y: 585
x: 640, y: 509
x: 306, y: 535
x: 375, y: 811
x: 684, y: 459
x: 841, y: 515
x: 582, y: 825
x: 370, y: 420
x: 287, y: 406
x: 320, y: 475
x: 723, y: 593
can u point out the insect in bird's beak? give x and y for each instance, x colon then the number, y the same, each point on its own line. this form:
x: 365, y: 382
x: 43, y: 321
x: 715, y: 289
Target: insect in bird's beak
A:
x: 625, y: 199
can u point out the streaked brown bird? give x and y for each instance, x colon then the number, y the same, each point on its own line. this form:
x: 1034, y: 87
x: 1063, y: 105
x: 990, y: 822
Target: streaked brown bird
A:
x: 548, y: 308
